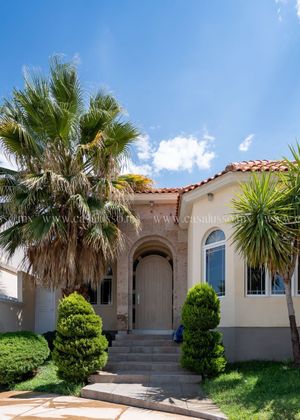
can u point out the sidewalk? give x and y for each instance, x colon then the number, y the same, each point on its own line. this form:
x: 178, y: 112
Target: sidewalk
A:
x: 34, y: 405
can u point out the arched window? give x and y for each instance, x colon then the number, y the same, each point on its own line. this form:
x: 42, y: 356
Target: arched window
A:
x: 214, y: 261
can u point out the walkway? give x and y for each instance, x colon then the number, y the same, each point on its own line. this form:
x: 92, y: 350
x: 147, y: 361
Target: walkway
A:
x: 33, y: 406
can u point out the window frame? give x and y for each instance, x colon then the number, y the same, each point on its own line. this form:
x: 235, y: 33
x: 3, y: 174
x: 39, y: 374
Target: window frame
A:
x: 268, y: 294
x: 251, y: 295
x: 206, y: 247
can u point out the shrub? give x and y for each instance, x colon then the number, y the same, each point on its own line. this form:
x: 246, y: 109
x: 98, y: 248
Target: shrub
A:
x: 202, y: 351
x: 21, y: 353
x: 79, y: 346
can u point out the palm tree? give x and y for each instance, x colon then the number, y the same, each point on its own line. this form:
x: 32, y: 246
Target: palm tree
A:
x: 63, y: 203
x: 266, y: 231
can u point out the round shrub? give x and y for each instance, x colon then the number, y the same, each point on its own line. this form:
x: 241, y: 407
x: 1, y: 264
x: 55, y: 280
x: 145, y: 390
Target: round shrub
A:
x: 79, y: 346
x: 20, y: 354
x: 201, y: 308
x: 202, y: 351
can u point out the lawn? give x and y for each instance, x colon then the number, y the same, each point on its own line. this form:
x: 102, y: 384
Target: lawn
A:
x: 257, y: 391
x: 46, y: 380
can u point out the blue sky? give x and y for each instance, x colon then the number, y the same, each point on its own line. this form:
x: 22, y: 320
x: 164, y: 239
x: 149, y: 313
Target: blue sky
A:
x: 207, y: 82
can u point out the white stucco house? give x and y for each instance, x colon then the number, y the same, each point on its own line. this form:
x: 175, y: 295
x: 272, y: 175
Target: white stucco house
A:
x: 184, y: 240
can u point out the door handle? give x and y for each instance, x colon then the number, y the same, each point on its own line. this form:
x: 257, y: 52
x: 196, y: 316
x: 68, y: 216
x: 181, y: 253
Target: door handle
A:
x: 138, y: 299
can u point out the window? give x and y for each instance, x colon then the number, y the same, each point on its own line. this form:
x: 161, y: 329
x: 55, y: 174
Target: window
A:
x: 256, y: 281
x: 214, y: 261
x: 277, y: 285
x: 91, y: 294
x: 104, y: 291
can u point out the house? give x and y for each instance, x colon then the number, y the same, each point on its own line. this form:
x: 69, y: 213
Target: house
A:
x: 185, y: 238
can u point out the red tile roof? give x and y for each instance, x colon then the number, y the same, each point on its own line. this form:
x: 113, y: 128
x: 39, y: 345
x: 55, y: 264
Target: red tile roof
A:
x: 159, y: 191
x: 245, y: 166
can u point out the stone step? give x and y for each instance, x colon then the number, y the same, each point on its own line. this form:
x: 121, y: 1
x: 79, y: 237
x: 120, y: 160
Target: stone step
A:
x: 181, y: 400
x: 144, y: 366
x: 144, y: 342
x: 144, y: 357
x: 145, y: 349
x: 145, y: 378
x: 143, y: 337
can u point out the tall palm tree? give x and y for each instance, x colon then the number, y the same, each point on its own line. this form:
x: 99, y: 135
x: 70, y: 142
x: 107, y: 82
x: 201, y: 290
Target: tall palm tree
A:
x: 63, y: 203
x: 266, y: 230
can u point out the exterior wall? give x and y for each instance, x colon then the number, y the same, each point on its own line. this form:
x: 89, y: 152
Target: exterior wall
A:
x: 18, y: 314
x: 157, y: 227
x: 254, y: 327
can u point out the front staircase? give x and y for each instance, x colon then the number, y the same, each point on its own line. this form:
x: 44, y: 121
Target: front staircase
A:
x: 143, y: 370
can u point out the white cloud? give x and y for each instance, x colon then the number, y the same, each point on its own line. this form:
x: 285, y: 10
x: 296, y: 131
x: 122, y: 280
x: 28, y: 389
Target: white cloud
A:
x: 131, y: 168
x: 183, y: 153
x: 180, y: 153
x: 246, y: 143
x: 143, y: 147
x: 298, y: 8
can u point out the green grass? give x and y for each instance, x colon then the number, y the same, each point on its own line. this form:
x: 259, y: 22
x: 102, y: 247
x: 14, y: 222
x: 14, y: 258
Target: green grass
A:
x: 46, y: 380
x: 257, y: 391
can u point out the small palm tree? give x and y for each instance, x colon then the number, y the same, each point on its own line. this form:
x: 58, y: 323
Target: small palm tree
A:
x: 63, y: 203
x: 267, y: 232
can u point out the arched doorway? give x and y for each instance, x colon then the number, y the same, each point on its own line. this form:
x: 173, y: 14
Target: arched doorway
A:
x: 152, y: 294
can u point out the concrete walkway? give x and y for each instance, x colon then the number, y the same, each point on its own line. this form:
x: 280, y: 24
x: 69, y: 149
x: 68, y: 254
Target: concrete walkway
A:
x: 35, y: 405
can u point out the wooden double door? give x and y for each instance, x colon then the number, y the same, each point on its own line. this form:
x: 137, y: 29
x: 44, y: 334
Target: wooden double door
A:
x: 154, y: 293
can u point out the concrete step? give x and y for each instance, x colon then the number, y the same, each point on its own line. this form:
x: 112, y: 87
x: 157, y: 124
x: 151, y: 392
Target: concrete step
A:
x: 141, y: 377
x: 163, y: 342
x: 184, y: 399
x: 143, y: 357
x: 143, y: 337
x: 144, y: 366
x: 145, y: 349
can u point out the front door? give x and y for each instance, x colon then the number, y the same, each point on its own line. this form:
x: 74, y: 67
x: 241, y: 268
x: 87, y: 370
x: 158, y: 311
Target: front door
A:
x: 153, y: 293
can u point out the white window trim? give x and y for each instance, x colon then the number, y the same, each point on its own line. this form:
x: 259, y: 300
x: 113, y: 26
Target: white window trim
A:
x: 269, y: 285
x: 210, y: 246
x: 252, y: 295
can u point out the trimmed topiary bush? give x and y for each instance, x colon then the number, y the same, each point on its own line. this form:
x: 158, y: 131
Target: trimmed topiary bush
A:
x: 79, y: 346
x: 21, y: 353
x: 202, y: 351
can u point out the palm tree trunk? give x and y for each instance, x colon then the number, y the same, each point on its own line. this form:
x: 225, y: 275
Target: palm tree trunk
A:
x: 292, y: 319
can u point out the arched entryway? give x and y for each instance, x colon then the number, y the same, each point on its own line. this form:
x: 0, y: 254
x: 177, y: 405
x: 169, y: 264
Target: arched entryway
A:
x: 152, y: 288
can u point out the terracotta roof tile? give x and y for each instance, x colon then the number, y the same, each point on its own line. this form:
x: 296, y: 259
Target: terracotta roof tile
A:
x: 160, y: 191
x: 245, y: 166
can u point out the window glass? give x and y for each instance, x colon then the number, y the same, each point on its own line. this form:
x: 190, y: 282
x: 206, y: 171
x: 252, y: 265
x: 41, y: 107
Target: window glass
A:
x: 256, y: 281
x: 215, y: 268
x: 277, y: 285
x: 215, y: 236
x: 91, y: 294
x: 106, y: 291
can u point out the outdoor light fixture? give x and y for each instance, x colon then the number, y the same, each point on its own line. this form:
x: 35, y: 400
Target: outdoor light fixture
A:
x: 210, y: 196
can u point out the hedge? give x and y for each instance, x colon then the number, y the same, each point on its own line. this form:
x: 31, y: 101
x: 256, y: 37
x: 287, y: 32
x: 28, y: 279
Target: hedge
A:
x: 21, y: 353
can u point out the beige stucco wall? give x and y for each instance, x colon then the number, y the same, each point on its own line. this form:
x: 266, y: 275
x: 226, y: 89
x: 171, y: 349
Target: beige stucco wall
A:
x: 237, y: 310
x: 19, y: 315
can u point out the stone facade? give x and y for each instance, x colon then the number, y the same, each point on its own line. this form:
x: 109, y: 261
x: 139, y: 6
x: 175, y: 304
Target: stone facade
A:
x: 158, y: 231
